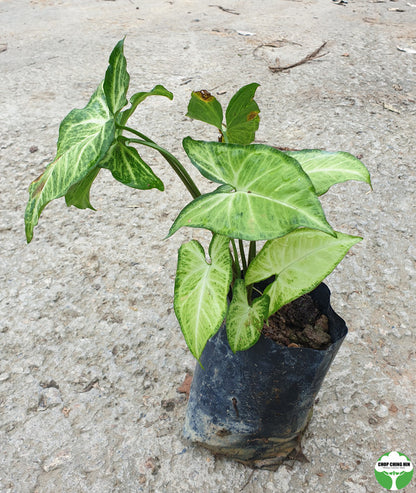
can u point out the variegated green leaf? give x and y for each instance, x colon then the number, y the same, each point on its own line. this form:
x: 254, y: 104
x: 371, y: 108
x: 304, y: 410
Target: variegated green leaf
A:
x: 265, y: 195
x: 116, y: 82
x: 300, y: 261
x: 328, y: 168
x: 201, y: 289
x: 245, y: 322
x: 242, y: 116
x: 79, y: 194
x: 128, y: 167
x: 204, y: 106
x: 139, y: 97
x: 84, y: 137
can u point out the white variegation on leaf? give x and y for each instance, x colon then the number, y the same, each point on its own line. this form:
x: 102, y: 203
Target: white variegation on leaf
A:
x: 265, y: 193
x: 128, y: 167
x: 117, y: 79
x: 328, y: 168
x: 245, y: 321
x: 84, y: 137
x: 201, y: 290
x: 300, y: 261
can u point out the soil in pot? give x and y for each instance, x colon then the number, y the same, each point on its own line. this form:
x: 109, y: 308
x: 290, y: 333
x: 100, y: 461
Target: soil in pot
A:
x: 299, y: 324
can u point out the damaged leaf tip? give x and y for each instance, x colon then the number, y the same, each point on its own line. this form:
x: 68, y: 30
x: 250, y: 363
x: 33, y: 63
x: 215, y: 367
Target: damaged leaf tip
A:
x: 204, y: 95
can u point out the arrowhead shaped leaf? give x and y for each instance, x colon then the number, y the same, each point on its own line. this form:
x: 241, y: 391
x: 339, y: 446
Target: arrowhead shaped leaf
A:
x: 242, y: 116
x: 266, y: 194
x: 201, y: 290
x: 128, y: 167
x: 84, y: 137
x: 204, y: 106
x: 245, y: 322
x: 116, y: 82
x: 328, y: 168
x: 300, y: 261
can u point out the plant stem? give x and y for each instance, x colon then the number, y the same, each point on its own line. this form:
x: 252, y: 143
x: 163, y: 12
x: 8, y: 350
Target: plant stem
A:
x: 236, y: 263
x: 251, y: 252
x: 243, y: 256
x: 170, y: 158
x: 135, y: 132
x: 251, y: 256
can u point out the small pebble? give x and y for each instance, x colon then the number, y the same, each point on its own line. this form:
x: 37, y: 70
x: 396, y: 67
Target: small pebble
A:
x: 382, y: 411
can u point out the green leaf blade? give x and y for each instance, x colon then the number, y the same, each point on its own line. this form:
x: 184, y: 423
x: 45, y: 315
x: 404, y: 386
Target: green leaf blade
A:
x: 204, y: 107
x: 328, y: 168
x: 300, y: 261
x: 245, y: 322
x: 84, y: 137
x: 117, y: 79
x: 128, y: 167
x: 81, y: 126
x: 242, y: 116
x: 158, y: 90
x: 265, y: 194
x: 138, y: 98
x: 79, y: 194
x: 201, y: 290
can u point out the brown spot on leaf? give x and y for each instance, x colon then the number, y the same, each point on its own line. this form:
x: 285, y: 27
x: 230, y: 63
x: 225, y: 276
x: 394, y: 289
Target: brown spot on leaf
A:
x: 204, y: 95
x: 252, y: 115
x: 39, y: 185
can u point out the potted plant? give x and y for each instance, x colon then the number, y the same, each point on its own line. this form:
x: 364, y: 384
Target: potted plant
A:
x: 228, y: 300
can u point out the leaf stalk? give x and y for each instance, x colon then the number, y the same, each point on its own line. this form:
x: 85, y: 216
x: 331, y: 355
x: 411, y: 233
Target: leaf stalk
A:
x: 170, y: 158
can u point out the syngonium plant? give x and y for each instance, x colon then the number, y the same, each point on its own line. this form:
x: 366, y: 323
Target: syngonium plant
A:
x: 263, y: 195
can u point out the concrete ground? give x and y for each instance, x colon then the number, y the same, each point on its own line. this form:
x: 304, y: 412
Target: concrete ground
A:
x: 91, y: 352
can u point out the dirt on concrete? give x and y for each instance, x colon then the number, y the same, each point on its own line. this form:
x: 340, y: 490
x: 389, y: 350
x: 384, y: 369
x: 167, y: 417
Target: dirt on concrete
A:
x: 90, y: 348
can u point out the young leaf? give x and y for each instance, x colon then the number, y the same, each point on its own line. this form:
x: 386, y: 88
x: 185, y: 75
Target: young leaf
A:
x: 328, y: 168
x: 128, y: 167
x: 116, y: 82
x: 245, y: 322
x: 84, y: 137
x: 138, y: 98
x: 242, y: 116
x: 79, y: 194
x: 204, y: 106
x: 300, y: 261
x: 201, y: 290
x: 265, y: 195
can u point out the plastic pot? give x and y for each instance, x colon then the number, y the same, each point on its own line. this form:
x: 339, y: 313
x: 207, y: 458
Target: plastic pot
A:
x: 254, y: 406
